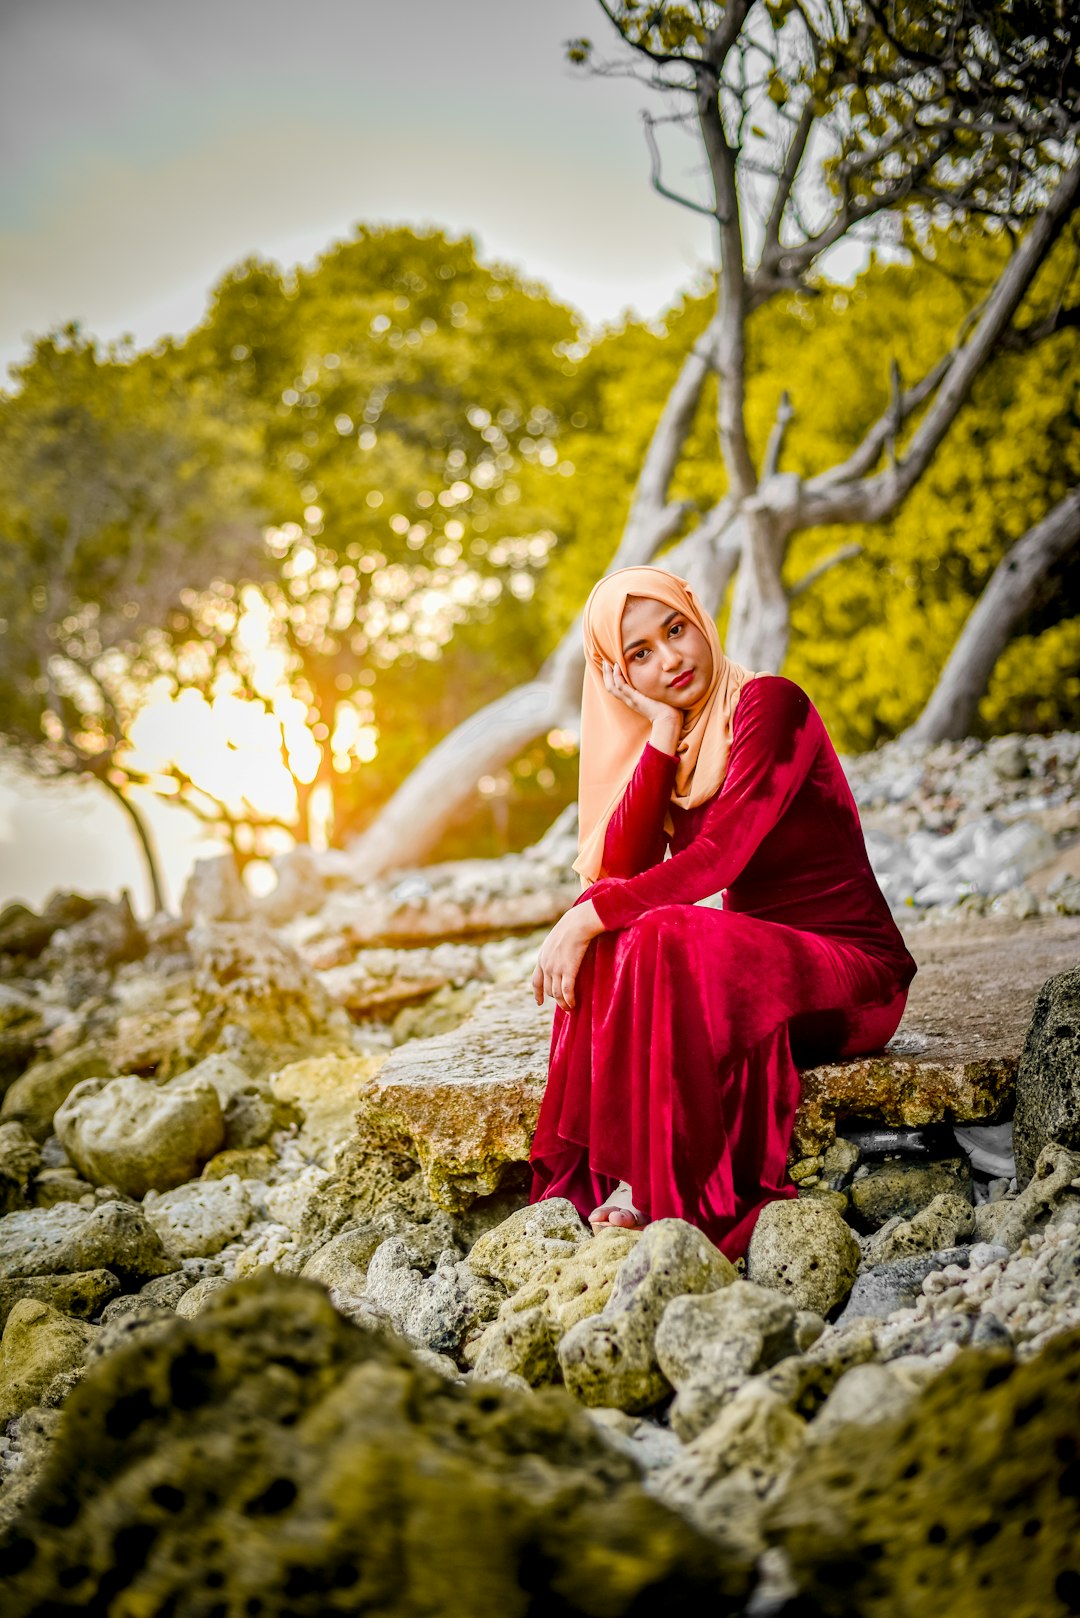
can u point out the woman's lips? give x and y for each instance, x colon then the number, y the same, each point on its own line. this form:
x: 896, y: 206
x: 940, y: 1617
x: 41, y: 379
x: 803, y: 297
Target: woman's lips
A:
x: 683, y: 679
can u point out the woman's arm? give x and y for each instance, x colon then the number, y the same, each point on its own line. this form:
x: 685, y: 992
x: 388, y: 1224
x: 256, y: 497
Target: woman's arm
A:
x: 635, y: 838
x: 778, y: 734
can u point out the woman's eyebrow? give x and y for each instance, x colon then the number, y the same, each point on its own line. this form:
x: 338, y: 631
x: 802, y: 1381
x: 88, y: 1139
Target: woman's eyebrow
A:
x: 667, y: 620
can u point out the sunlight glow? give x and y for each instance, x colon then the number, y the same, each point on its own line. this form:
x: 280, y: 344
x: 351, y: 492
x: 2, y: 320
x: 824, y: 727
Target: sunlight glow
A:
x: 247, y: 752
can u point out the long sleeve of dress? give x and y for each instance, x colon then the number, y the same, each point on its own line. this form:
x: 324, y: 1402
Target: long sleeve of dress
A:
x: 777, y: 738
x: 635, y: 838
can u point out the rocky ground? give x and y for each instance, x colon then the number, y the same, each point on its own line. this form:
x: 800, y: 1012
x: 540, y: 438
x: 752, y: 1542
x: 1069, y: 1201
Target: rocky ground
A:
x: 280, y: 1334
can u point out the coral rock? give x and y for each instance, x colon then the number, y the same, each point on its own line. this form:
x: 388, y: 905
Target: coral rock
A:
x: 39, y: 1344
x: 200, y: 1218
x: 1048, y: 1079
x: 514, y: 1250
x: 138, y: 1136
x: 974, y: 1500
x: 68, y: 1238
x: 610, y: 1358
x: 804, y: 1250
x: 351, y: 1478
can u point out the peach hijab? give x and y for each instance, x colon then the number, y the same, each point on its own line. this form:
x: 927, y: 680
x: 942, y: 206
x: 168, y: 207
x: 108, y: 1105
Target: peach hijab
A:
x: 613, y: 737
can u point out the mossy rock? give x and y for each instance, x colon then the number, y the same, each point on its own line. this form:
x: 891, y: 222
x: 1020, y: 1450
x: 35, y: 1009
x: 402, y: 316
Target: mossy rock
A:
x: 967, y: 1505
x: 267, y: 1456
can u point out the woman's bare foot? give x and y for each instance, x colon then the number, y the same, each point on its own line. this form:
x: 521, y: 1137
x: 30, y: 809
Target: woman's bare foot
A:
x: 619, y: 1210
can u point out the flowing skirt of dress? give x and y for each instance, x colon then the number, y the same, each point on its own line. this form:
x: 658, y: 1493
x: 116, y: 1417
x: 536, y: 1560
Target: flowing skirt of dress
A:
x: 674, y: 1071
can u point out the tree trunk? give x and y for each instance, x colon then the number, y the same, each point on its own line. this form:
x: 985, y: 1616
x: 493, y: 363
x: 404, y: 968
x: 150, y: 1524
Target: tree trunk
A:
x: 1010, y: 594
x: 759, y: 522
x: 146, y: 841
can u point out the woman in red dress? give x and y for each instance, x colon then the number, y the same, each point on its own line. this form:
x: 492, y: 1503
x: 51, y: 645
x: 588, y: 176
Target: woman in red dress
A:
x: 672, y: 1086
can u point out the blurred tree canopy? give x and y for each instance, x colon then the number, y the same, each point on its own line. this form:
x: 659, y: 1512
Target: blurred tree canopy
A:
x: 314, y: 502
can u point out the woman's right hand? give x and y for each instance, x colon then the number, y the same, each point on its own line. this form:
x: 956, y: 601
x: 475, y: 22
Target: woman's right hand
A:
x: 619, y: 687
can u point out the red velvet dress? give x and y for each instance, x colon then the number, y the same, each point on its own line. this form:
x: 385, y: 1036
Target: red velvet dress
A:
x: 676, y: 1068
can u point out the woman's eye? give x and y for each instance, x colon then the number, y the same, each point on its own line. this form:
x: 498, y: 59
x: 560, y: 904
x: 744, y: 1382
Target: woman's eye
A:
x: 674, y: 627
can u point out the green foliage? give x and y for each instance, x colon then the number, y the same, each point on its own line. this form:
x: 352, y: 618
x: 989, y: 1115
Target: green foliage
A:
x: 441, y: 469
x: 871, y: 637
x: 120, y: 486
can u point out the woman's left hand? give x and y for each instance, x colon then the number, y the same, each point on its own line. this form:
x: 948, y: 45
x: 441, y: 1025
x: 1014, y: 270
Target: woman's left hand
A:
x: 561, y: 955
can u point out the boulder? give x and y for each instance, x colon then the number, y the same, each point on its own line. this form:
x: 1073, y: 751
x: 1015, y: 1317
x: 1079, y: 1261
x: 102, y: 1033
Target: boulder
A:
x: 707, y: 1345
x: 24, y: 933
x: 973, y: 1500
x: 881, y: 1289
x: 756, y: 1439
x: 34, y: 1098
x: 900, y: 1089
x: 251, y: 1109
x: 351, y: 1478
x: 325, y: 1092
x: 380, y: 982
x: 435, y: 1311
x: 462, y: 1105
x: 248, y: 1162
x: 1048, y: 1078
x: 194, y: 1299
x: 249, y: 980
x: 82, y: 1295
x: 514, y: 1250
x: 944, y: 1222
x: 610, y: 1358
x: 59, y: 1185
x: 520, y: 1343
x: 956, y: 1054
x: 20, y: 1158
x: 804, y: 1249
x: 68, y: 1238
x: 200, y: 1218
x: 22, y: 1028
x: 524, y: 1337
x: 341, y: 1264
x: 39, y: 1344
x: 215, y: 892
x: 900, y: 1190
x: 139, y: 1136
x: 868, y: 1395
x: 101, y: 941
x: 805, y: 1381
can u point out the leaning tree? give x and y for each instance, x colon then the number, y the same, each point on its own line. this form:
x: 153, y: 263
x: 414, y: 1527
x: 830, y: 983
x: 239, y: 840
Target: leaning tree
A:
x: 818, y: 123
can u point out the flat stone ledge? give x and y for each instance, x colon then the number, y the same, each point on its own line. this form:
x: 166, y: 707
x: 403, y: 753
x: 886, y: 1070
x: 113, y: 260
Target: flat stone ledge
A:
x: 955, y: 1055
x: 462, y: 1104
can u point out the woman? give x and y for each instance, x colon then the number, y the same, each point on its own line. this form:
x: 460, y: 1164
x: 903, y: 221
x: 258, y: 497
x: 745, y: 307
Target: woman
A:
x: 672, y: 1086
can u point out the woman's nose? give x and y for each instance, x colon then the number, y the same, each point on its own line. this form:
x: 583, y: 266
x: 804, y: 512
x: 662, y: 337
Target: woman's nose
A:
x: 670, y: 657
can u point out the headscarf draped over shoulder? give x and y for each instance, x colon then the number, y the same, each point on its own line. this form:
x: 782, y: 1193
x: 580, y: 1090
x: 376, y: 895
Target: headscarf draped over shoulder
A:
x: 613, y: 737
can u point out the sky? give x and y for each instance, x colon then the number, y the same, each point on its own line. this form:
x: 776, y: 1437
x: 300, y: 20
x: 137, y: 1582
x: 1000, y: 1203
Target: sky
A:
x: 146, y: 146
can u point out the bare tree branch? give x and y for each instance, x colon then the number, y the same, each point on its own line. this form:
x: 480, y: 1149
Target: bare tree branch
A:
x: 654, y: 174
x: 826, y: 500
x: 812, y: 575
x: 1004, y: 603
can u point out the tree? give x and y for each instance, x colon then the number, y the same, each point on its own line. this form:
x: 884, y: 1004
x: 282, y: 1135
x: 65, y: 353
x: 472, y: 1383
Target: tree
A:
x: 403, y: 394
x: 817, y: 123
x: 118, y: 491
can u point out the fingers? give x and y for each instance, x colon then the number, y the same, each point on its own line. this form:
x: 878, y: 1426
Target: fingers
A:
x: 617, y: 685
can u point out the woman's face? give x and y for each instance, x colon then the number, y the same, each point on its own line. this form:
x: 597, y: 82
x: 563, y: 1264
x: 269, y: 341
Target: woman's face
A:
x: 667, y: 657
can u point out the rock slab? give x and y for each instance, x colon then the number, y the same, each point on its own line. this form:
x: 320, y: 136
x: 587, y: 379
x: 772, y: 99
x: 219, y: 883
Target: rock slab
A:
x: 463, y: 1104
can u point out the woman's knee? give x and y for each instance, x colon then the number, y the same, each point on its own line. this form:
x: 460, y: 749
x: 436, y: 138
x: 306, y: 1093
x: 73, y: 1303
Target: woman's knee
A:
x: 657, y: 929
